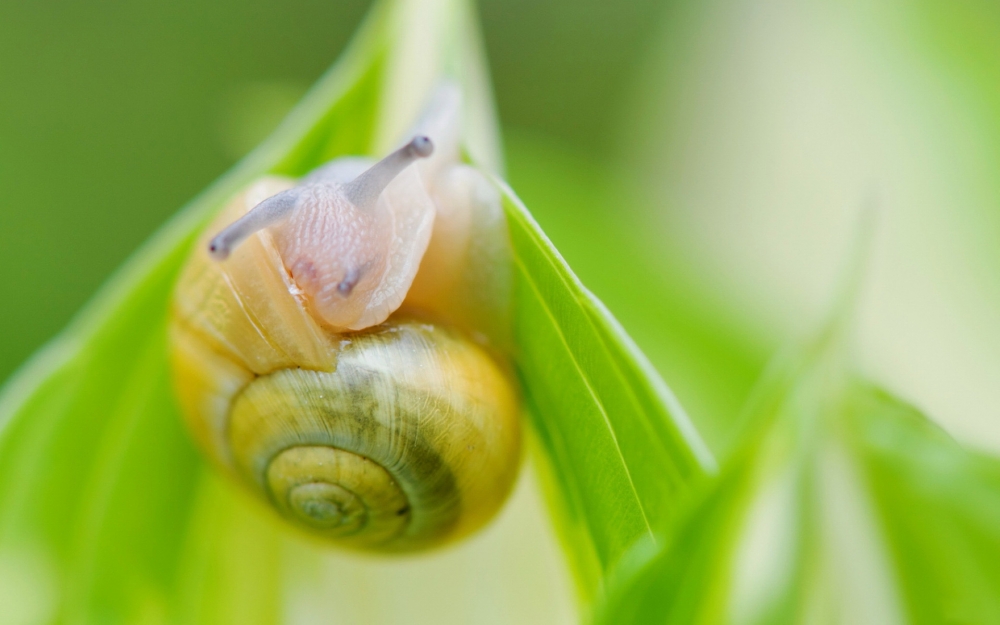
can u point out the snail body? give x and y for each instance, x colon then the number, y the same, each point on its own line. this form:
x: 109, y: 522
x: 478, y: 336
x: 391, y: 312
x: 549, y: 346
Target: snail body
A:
x: 338, y: 346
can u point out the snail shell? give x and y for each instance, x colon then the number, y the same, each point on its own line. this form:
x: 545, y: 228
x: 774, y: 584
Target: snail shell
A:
x: 395, y: 437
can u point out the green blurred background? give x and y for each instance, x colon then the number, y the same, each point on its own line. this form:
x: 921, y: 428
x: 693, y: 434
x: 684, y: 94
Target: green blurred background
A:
x: 699, y: 163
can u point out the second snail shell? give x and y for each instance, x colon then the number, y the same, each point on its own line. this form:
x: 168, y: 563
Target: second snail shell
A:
x: 396, y: 438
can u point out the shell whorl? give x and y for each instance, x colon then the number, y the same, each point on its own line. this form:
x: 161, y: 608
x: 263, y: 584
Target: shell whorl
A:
x: 413, y: 440
x: 370, y: 453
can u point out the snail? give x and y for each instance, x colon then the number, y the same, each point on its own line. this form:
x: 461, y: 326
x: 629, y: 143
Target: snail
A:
x: 338, y: 344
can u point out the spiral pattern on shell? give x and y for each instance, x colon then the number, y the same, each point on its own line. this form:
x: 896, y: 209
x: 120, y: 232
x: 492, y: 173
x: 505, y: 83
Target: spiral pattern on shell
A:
x: 395, y: 438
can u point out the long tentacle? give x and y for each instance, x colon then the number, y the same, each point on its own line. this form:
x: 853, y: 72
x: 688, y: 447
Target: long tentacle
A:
x: 364, y: 190
x: 267, y: 213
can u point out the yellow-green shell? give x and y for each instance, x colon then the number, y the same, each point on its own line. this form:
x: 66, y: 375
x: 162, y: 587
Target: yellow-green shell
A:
x: 396, y: 438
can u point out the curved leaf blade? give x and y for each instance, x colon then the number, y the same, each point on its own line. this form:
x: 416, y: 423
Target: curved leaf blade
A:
x: 622, y: 451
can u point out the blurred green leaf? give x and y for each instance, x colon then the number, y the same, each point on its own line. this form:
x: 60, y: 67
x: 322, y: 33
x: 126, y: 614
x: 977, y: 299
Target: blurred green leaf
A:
x: 103, y: 495
x: 940, y: 506
x: 844, y: 505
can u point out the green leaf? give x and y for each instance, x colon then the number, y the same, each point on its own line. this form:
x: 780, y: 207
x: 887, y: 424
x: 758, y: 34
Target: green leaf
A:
x: 584, y: 205
x: 622, y: 451
x: 844, y: 505
x: 107, y: 513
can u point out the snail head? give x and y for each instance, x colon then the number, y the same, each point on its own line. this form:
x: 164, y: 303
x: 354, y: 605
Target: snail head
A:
x: 335, y: 238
